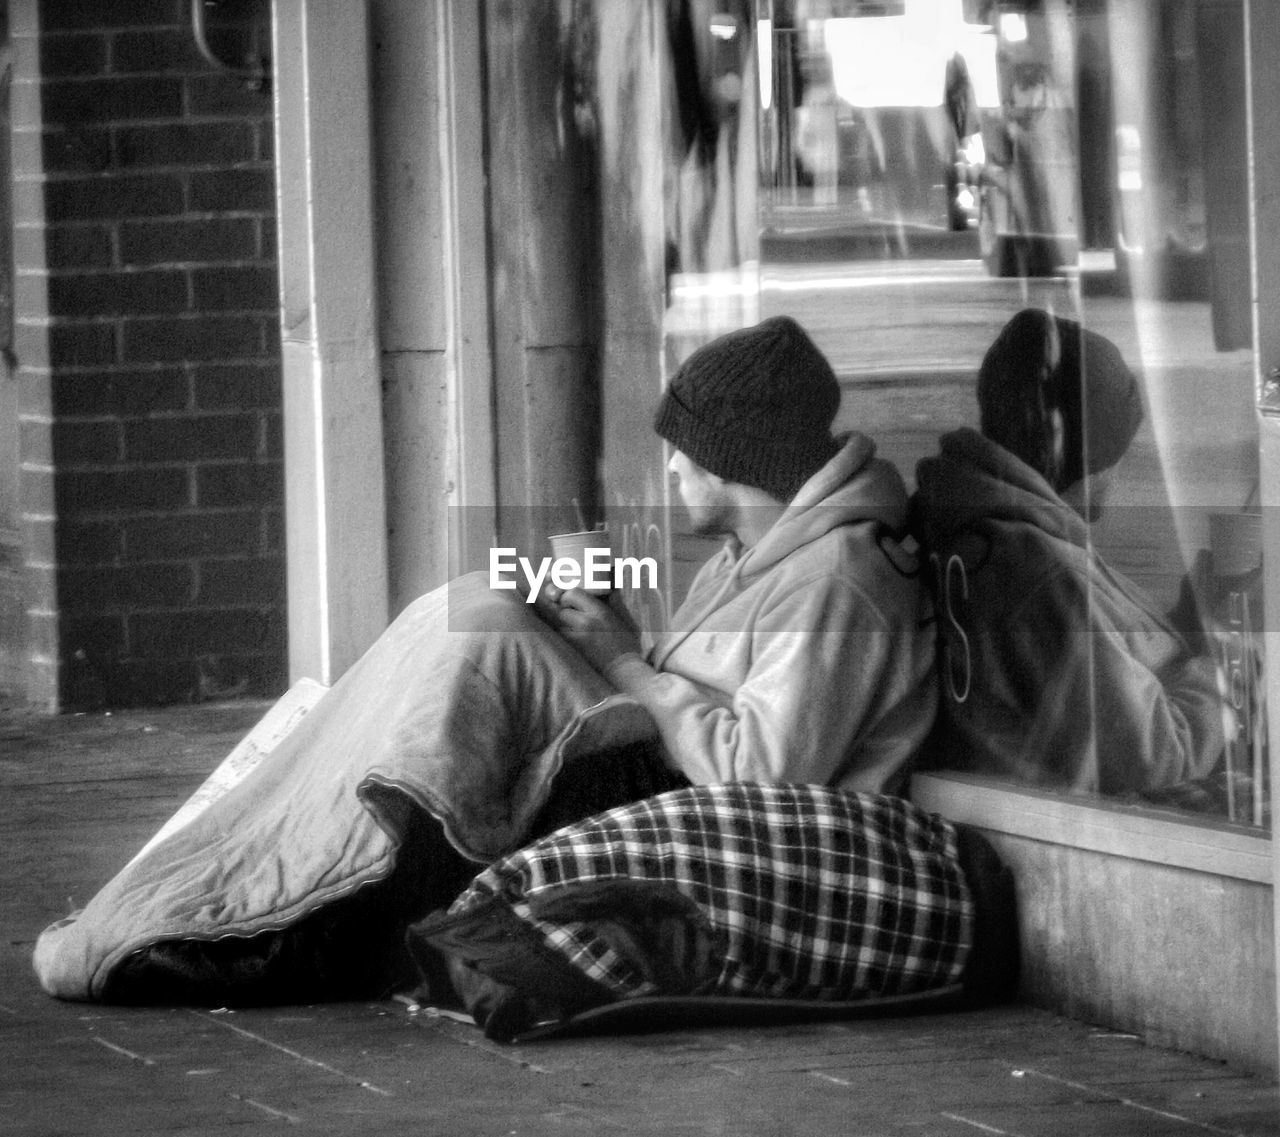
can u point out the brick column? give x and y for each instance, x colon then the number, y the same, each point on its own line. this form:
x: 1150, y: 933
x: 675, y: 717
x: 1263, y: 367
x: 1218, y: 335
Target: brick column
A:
x: 148, y: 345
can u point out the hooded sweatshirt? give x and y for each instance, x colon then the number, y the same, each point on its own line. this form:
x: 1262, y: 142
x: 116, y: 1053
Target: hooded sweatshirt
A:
x: 1047, y: 655
x: 807, y: 657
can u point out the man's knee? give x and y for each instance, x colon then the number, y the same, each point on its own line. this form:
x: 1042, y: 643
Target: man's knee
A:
x: 474, y: 606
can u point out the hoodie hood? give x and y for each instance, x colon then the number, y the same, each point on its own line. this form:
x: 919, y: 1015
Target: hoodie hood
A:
x: 853, y: 487
x: 973, y: 481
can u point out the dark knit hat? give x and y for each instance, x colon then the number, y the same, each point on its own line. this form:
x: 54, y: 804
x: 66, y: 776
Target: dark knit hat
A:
x: 755, y: 406
x: 1041, y: 363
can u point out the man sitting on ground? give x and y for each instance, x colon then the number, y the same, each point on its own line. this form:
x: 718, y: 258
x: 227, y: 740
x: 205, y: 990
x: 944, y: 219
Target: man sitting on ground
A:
x: 802, y: 654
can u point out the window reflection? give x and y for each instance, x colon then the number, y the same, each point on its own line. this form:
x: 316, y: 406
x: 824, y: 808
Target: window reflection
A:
x: 929, y: 169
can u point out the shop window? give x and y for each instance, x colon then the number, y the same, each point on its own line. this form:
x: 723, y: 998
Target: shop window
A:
x: 925, y: 176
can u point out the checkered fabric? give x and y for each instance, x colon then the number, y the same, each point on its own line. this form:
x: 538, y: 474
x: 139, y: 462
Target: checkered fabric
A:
x: 811, y: 893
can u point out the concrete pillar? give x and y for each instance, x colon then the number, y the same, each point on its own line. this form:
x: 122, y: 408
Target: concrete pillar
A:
x: 637, y: 155
x: 543, y: 217
x: 335, y: 516
x: 433, y: 277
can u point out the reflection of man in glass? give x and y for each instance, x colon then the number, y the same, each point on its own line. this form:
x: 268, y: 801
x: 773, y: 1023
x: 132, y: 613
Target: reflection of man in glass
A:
x: 1051, y: 657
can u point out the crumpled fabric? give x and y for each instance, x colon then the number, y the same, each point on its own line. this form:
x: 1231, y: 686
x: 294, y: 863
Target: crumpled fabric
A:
x: 466, y: 708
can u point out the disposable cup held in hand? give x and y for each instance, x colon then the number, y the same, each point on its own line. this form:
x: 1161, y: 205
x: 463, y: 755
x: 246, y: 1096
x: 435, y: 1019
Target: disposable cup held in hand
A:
x: 591, y: 552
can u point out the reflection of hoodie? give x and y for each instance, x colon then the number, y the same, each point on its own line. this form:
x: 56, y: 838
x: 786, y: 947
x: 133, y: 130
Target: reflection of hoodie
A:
x: 1046, y: 652
x: 807, y: 657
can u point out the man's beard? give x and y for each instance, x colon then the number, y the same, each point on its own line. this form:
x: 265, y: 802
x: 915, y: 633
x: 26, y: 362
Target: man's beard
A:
x: 711, y: 521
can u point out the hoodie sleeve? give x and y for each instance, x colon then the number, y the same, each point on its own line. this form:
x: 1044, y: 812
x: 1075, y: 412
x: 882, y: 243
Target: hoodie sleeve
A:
x: 846, y: 703
x: 1159, y: 709
x: 1114, y: 673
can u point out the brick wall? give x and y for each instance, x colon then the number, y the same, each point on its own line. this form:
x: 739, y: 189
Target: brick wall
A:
x: 164, y: 471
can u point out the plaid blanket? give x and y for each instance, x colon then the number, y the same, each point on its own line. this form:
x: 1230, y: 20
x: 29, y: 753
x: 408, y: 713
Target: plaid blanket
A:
x: 782, y: 891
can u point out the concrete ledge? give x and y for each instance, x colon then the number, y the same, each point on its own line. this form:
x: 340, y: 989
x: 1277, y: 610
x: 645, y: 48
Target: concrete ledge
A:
x: 1134, y: 918
x: 1137, y: 832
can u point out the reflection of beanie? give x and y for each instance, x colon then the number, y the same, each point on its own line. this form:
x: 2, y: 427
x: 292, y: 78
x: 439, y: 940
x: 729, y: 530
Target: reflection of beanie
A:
x: 755, y: 407
x: 1040, y: 364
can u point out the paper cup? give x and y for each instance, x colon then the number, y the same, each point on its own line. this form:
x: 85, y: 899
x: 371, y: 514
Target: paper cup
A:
x: 574, y: 547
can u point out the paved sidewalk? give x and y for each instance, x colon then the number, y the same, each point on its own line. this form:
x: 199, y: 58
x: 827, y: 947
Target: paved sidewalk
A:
x: 79, y: 794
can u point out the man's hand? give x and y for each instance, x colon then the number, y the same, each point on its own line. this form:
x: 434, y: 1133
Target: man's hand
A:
x: 600, y: 630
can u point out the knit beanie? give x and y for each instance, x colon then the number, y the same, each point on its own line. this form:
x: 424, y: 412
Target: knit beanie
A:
x: 755, y: 407
x: 1041, y: 363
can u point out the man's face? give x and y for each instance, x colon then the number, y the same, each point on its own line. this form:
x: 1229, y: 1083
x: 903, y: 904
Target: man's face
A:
x: 704, y: 494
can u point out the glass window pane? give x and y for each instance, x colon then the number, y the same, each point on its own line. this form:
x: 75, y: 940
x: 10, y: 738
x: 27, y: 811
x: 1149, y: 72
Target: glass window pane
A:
x: 1087, y: 471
